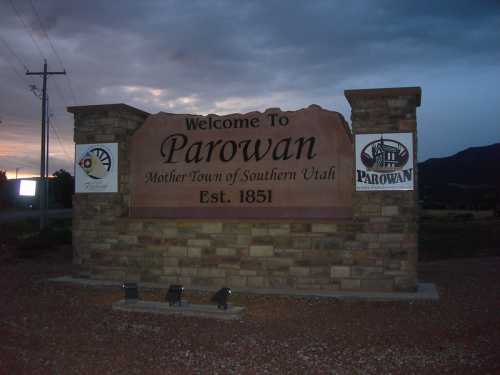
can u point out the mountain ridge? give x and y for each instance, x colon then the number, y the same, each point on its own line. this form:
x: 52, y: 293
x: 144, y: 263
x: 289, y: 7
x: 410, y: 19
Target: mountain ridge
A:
x: 468, y: 179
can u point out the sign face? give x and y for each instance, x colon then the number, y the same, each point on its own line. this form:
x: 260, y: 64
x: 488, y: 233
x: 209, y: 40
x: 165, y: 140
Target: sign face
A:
x: 257, y: 165
x: 27, y: 188
x: 96, y: 168
x: 384, y: 161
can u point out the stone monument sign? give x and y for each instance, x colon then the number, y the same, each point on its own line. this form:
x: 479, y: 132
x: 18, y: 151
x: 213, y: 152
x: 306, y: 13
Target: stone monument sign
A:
x: 273, y: 199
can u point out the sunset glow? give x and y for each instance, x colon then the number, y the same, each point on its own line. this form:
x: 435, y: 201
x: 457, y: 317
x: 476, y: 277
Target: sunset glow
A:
x: 254, y: 57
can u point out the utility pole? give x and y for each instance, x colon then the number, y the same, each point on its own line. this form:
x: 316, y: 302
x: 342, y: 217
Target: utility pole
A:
x: 43, y: 165
x: 47, y: 156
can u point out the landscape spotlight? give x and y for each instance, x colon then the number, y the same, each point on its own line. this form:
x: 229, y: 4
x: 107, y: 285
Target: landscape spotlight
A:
x: 131, y: 291
x: 174, y: 294
x: 221, y: 297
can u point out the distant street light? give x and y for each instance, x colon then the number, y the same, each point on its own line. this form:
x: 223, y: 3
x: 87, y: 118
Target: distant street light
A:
x: 27, y: 188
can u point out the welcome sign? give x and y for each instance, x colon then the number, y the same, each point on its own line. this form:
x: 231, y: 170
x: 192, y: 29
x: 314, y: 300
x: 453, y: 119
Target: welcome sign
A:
x: 275, y: 164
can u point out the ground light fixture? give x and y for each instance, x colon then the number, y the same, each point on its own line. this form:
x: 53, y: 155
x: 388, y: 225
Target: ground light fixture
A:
x: 174, y: 294
x: 221, y: 297
x: 131, y: 291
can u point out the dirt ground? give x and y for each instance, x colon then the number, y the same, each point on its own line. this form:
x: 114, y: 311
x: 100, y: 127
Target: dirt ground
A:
x: 48, y: 328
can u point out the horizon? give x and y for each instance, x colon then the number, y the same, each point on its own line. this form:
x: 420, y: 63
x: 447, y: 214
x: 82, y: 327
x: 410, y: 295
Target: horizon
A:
x: 421, y: 161
x: 247, y: 56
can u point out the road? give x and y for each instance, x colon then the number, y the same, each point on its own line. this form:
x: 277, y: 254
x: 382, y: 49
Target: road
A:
x: 30, y: 214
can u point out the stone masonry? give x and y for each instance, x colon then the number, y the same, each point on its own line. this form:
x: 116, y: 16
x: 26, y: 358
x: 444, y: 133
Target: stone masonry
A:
x: 388, y: 218
x: 375, y: 250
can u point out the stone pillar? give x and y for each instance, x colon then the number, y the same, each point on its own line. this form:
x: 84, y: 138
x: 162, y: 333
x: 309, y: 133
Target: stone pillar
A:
x: 94, y: 215
x: 388, y: 218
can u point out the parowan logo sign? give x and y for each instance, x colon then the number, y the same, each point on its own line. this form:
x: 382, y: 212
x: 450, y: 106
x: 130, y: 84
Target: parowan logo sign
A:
x: 384, y: 161
x: 95, y: 168
x: 384, y: 155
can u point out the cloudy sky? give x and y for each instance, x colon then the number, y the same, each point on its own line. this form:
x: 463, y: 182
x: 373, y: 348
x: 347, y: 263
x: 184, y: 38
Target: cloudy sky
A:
x: 221, y: 57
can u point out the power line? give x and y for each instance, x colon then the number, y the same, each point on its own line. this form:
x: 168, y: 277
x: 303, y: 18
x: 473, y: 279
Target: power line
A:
x: 21, y: 19
x: 16, y: 56
x: 37, y: 45
x: 59, y: 141
x: 45, y: 31
x: 37, y: 15
x: 21, y: 77
x: 13, y: 53
x: 61, y: 145
x: 71, y: 89
x: 61, y: 94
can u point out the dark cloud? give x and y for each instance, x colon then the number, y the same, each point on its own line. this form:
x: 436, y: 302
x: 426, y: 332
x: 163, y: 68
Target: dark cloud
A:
x: 226, y: 56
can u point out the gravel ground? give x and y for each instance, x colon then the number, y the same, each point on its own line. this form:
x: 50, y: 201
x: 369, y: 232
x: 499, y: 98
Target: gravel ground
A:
x: 62, y: 329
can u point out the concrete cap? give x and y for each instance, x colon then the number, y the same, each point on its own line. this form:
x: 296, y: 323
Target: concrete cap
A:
x: 384, y: 92
x: 107, y: 107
